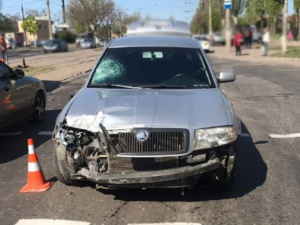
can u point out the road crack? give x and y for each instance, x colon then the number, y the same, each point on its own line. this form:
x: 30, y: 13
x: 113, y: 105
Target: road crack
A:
x: 118, y: 209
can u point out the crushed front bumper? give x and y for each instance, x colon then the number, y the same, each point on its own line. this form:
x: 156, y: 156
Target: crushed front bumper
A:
x: 150, y: 177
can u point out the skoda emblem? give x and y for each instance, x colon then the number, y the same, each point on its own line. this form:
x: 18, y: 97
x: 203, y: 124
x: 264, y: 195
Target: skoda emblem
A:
x: 142, y: 135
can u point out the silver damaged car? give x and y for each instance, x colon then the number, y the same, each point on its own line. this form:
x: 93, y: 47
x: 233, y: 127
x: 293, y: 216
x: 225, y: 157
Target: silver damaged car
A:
x: 150, y: 115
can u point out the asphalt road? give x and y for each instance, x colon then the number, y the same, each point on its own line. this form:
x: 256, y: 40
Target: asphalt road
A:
x: 265, y: 97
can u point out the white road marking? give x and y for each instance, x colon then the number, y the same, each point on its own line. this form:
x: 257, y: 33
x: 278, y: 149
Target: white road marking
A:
x: 245, y: 135
x: 49, y: 222
x: 10, y: 134
x: 285, y: 135
x: 46, y: 133
x: 179, y: 223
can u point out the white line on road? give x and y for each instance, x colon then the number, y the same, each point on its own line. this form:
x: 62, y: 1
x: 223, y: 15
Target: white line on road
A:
x: 164, y: 223
x: 50, y: 222
x: 46, y: 133
x: 285, y: 135
x: 10, y: 134
x: 245, y: 135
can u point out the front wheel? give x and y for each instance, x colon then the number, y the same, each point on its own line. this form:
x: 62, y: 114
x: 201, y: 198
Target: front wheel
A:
x: 64, y: 165
x: 38, y: 109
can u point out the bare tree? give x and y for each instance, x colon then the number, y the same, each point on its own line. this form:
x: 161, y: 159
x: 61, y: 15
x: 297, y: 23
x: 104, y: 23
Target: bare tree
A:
x: 85, y: 13
x: 109, y: 16
x: 36, y: 13
x: 92, y: 14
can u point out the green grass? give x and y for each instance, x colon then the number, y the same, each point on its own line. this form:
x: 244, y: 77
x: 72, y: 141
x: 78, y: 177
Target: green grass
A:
x: 100, y: 49
x: 289, y: 48
x: 38, y: 70
x: 33, y: 48
x: 275, y: 37
x: 292, y: 53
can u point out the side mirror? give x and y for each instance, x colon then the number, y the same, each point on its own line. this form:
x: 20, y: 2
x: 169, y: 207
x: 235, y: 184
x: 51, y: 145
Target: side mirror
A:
x: 19, y: 72
x: 225, y: 77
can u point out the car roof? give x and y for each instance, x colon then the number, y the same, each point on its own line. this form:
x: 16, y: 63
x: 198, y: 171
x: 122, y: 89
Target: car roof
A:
x: 159, y: 28
x: 161, y: 41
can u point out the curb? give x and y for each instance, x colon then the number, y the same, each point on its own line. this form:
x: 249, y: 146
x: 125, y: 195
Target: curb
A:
x: 268, y: 59
x: 75, y: 75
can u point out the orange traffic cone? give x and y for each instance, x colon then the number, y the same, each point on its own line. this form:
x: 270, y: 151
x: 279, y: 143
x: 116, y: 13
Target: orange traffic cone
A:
x: 35, y: 177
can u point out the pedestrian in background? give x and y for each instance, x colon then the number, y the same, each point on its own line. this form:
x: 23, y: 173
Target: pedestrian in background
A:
x: 250, y: 38
x: 266, y: 40
x: 2, y: 48
x: 290, y: 36
x: 237, y: 41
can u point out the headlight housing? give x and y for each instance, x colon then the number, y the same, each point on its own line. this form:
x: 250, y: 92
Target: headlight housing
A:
x: 213, y: 137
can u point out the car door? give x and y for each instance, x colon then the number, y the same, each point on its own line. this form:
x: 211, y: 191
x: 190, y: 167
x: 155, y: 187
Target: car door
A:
x: 15, y: 94
x: 7, y: 105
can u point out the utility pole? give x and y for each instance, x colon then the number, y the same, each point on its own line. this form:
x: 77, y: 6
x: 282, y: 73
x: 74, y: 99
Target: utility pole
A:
x: 284, y: 26
x: 25, y: 36
x: 49, y: 21
x: 210, y: 19
x: 228, y: 30
x: 120, y: 23
x: 63, y: 11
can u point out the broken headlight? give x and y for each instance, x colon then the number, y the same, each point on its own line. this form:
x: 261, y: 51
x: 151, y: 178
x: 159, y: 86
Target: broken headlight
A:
x: 213, y: 137
x: 64, y: 137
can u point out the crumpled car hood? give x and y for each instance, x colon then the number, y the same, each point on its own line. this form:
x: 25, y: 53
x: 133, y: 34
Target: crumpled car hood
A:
x: 128, y: 108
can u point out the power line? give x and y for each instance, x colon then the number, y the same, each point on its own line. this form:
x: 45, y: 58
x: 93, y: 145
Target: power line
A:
x: 18, y: 6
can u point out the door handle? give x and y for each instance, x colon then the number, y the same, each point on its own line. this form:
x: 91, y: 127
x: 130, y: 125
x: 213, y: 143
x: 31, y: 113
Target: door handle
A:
x: 6, y: 88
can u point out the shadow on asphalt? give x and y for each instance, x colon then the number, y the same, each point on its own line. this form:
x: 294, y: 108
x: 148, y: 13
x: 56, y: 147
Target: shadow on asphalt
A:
x: 251, y: 172
x: 10, y: 151
x: 51, y: 85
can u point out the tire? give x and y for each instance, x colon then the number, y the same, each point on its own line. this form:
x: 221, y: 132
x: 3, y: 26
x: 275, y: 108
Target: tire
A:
x: 38, y: 109
x: 62, y: 169
x: 227, y: 181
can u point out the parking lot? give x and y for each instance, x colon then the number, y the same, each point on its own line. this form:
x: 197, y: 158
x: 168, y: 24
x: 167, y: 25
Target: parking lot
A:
x: 265, y: 96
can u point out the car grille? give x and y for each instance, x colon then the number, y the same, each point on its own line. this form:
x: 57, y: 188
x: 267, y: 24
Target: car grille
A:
x: 159, y: 142
x: 124, y: 165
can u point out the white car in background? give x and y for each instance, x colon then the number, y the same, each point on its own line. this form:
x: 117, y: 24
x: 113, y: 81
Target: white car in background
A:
x: 204, y: 41
x: 87, y: 43
x: 217, y: 39
x: 256, y: 35
x: 10, y: 43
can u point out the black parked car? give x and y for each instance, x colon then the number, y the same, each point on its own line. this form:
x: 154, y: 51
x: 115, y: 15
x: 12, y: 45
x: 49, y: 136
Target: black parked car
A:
x: 55, y: 45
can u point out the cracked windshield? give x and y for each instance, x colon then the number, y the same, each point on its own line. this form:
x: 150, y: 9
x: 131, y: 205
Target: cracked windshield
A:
x: 141, y: 112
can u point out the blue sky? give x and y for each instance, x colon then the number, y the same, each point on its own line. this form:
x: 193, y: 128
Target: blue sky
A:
x: 163, y: 9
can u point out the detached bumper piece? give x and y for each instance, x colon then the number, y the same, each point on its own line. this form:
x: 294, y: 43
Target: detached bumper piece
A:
x: 150, y: 177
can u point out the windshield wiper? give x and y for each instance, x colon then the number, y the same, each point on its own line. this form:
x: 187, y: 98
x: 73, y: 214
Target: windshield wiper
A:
x: 115, y: 86
x: 167, y: 86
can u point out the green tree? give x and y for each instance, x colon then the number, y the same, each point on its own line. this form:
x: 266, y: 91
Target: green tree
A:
x: 6, y: 25
x: 238, y: 7
x: 200, y: 19
x: 31, y: 26
x: 264, y: 10
x: 199, y: 23
x: 272, y: 9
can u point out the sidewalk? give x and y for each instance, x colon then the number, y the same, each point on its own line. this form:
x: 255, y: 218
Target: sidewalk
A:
x: 255, y: 54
